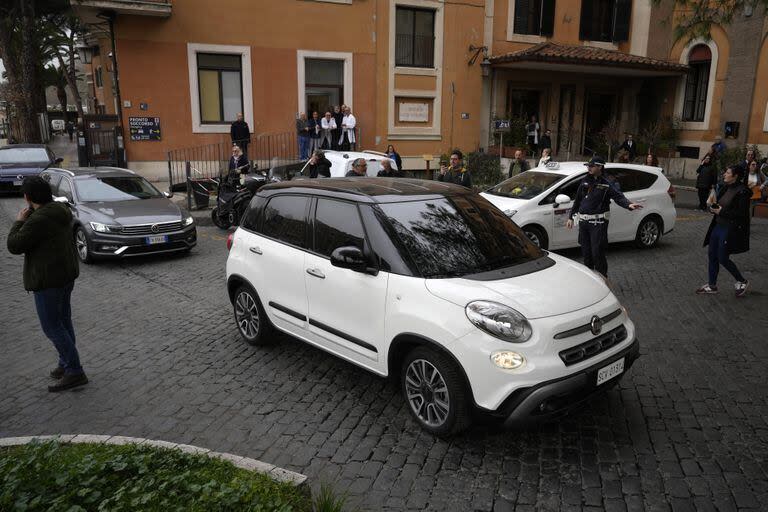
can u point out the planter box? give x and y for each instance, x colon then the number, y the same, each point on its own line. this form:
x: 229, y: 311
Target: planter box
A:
x: 761, y: 211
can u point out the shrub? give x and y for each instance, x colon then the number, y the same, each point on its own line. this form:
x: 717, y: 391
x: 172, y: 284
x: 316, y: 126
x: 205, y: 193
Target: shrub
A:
x: 86, y: 477
x: 485, y: 169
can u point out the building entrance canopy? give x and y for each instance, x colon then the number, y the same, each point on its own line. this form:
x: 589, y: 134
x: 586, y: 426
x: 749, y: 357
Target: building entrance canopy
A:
x: 585, y: 59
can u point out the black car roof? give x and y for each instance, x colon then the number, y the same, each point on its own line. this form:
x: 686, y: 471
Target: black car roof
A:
x: 88, y: 172
x: 368, y: 190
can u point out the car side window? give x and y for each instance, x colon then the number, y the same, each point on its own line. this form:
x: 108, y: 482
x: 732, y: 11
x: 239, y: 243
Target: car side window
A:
x: 568, y: 189
x: 53, y: 180
x: 285, y: 220
x: 337, y: 224
x: 626, y: 178
x: 65, y: 190
x: 645, y: 179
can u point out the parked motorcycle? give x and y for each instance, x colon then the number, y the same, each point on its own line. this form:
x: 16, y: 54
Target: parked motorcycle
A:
x: 233, y: 198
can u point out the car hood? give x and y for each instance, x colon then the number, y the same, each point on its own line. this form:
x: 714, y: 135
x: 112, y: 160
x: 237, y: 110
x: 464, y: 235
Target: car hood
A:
x: 139, y: 211
x: 505, y: 203
x: 562, y: 288
x: 21, y: 169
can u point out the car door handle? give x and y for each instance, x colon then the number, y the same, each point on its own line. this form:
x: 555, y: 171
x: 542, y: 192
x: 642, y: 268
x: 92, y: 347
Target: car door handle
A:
x: 315, y: 272
x: 255, y: 250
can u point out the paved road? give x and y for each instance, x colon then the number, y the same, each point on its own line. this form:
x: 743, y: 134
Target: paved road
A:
x: 686, y: 429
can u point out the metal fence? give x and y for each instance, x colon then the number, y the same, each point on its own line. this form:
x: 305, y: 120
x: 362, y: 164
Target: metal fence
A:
x: 210, y: 160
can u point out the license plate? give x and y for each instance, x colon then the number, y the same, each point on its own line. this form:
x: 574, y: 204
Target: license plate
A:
x: 16, y: 183
x: 157, y: 239
x: 610, y: 371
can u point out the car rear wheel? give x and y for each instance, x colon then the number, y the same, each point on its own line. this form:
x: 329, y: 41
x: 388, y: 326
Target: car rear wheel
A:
x: 648, y: 233
x: 251, y: 320
x: 435, y: 391
x: 83, y: 246
x: 537, y: 236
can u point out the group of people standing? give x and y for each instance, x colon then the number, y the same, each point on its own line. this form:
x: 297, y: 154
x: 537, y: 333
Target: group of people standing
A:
x: 335, y: 130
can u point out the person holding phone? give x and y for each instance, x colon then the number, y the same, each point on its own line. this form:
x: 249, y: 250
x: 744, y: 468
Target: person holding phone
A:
x: 43, y: 234
x: 456, y: 172
x: 728, y: 232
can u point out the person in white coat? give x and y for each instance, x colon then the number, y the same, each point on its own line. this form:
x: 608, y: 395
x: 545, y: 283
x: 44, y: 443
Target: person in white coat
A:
x: 328, y: 124
x: 347, y: 140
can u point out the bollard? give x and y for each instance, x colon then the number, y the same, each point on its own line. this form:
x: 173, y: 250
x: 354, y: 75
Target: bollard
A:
x: 188, y: 168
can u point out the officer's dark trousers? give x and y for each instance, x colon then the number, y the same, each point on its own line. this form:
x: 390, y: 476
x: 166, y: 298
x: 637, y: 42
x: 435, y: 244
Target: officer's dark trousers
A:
x: 593, y: 239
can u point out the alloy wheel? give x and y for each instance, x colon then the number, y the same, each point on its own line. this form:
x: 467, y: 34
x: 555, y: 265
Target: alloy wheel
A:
x: 533, y: 237
x: 649, y: 233
x: 81, y: 243
x: 427, y: 392
x: 247, y: 315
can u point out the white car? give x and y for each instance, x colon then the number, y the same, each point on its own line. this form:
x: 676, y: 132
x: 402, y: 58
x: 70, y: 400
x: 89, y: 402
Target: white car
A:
x: 341, y: 162
x: 540, y: 200
x: 431, y: 284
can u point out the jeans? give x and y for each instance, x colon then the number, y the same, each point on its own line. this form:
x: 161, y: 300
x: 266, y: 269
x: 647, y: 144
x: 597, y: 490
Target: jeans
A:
x: 593, y: 239
x: 718, y: 255
x: 303, y: 148
x: 55, y: 314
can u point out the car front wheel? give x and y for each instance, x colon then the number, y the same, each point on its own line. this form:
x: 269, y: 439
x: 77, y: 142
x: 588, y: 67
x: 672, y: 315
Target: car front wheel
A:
x: 648, y: 233
x: 435, y: 391
x: 83, y: 246
x: 252, y: 321
x: 537, y: 236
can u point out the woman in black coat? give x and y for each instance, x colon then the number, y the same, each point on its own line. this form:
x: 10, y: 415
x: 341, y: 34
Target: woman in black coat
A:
x: 394, y: 155
x: 706, y: 178
x: 728, y: 232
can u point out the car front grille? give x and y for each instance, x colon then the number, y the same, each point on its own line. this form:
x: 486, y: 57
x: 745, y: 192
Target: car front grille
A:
x: 594, y: 346
x: 146, y: 229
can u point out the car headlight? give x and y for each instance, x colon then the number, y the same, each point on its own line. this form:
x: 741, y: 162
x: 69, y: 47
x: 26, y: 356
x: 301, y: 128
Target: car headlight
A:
x: 187, y: 220
x: 510, y: 213
x: 499, y: 321
x: 105, y: 228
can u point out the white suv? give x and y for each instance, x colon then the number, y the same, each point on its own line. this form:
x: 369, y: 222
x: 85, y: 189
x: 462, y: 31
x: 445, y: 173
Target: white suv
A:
x: 430, y: 283
x: 540, y: 200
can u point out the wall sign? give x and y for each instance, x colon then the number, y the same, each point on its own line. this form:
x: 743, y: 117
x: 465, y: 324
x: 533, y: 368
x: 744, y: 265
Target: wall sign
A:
x: 144, y: 128
x: 501, y: 124
x: 413, y: 112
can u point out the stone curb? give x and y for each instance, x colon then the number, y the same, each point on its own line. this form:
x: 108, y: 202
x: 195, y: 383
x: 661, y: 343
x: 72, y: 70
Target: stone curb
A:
x: 274, y: 472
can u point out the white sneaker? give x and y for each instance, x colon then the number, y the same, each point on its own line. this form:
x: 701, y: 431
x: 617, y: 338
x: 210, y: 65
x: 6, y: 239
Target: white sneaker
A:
x: 707, y: 290
x: 741, y: 288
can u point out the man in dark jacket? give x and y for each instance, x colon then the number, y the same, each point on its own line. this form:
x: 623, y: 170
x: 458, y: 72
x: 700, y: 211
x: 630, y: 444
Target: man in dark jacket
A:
x: 546, y: 140
x: 706, y: 179
x: 457, y: 173
x: 630, y: 147
x: 518, y: 165
x: 319, y: 166
x: 241, y: 134
x: 359, y: 169
x: 388, y: 172
x: 43, y: 234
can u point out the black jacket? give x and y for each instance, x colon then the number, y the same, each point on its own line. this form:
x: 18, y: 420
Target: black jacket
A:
x: 632, y: 150
x: 736, y: 216
x: 545, y: 142
x: 313, y: 132
x: 523, y: 167
x: 242, y: 162
x: 594, y: 196
x: 706, y: 176
x: 46, y: 240
x: 391, y: 174
x: 322, y: 169
x: 239, y: 131
x: 458, y: 177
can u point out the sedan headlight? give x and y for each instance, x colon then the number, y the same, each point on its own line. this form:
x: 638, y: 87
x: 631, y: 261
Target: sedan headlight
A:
x: 187, y: 220
x: 510, y: 213
x: 105, y: 228
x: 499, y: 321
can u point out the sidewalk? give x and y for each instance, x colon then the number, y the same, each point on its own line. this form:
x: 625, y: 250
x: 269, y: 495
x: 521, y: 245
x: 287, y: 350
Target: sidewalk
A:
x: 62, y: 147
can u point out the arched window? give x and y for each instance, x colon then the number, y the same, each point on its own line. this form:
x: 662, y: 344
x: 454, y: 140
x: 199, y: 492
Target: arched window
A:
x: 695, y: 103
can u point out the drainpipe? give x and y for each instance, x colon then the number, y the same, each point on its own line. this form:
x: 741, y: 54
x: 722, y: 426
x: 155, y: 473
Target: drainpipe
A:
x: 110, y: 17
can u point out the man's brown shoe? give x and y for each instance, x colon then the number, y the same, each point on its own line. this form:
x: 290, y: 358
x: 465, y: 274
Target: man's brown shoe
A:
x: 69, y: 382
x: 57, y: 373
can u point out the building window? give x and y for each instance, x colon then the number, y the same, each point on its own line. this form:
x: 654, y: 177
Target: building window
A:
x: 696, y: 83
x: 605, y: 20
x: 415, y: 37
x: 534, y: 17
x: 220, y: 87
x: 98, y: 77
x: 324, y: 84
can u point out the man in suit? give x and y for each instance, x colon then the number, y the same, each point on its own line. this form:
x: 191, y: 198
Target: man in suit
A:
x: 241, y: 134
x: 629, y: 146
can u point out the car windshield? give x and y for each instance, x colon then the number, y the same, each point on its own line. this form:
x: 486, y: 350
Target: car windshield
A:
x: 458, y: 236
x: 23, y: 156
x: 115, y: 188
x: 526, y: 185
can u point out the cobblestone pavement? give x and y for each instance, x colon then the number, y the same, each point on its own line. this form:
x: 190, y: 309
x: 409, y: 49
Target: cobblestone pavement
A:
x: 685, y: 430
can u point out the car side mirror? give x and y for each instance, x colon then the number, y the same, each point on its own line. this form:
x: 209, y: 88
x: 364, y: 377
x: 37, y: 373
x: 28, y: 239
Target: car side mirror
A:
x: 350, y: 257
x: 561, y: 199
x: 168, y: 194
x: 58, y: 160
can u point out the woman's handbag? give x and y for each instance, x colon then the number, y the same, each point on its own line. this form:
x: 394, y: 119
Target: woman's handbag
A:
x: 756, y: 193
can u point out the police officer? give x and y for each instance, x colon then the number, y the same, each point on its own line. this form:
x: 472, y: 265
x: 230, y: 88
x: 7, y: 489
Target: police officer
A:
x: 590, y: 208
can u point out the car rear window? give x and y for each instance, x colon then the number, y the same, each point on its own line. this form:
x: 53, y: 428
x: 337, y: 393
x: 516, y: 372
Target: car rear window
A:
x: 23, y: 155
x: 458, y: 236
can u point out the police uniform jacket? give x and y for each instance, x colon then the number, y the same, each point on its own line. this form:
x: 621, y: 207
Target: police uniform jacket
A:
x: 594, y: 196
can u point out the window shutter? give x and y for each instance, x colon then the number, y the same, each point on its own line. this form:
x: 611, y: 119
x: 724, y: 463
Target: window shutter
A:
x: 521, y: 16
x: 622, y: 13
x: 547, y: 18
x: 585, y: 26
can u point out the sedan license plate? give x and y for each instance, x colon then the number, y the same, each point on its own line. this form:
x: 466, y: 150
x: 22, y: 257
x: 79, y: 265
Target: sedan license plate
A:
x: 157, y: 239
x: 610, y: 371
x: 16, y: 183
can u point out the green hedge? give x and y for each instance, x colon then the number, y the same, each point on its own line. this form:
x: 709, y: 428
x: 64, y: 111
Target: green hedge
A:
x: 89, y: 477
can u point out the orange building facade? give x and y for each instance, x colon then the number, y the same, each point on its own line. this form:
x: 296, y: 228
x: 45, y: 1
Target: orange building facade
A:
x: 423, y: 75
